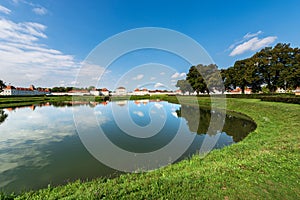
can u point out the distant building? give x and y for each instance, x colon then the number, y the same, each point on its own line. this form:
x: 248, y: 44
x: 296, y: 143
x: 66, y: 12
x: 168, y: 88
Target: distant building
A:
x: 161, y: 92
x: 79, y: 92
x: 178, y: 92
x: 297, y: 91
x: 121, y: 91
x: 95, y: 92
x: 280, y: 90
x: 19, y: 91
x: 248, y: 91
x: 239, y: 91
x: 138, y: 92
x: 104, y: 92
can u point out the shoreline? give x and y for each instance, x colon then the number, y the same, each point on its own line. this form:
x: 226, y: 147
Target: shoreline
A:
x: 263, y: 165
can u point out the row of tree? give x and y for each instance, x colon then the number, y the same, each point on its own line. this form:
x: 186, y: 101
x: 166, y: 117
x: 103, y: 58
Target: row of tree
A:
x: 277, y: 67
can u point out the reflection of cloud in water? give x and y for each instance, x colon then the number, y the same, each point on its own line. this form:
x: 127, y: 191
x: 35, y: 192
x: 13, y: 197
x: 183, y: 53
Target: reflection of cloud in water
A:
x: 138, y: 113
x: 158, y: 105
x: 26, y: 131
x: 174, y: 114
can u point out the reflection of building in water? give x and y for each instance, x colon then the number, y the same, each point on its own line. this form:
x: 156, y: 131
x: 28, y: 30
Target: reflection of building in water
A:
x: 32, y: 107
x: 142, y: 101
x: 104, y: 103
x: 55, y: 104
x: 121, y: 103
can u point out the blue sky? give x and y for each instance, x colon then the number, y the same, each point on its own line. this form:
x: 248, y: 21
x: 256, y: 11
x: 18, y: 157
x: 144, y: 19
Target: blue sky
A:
x: 44, y: 42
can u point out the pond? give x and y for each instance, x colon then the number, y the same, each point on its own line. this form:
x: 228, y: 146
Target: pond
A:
x: 41, y: 144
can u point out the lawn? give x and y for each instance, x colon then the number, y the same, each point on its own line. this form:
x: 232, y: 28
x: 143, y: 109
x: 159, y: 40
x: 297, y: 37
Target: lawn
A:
x: 265, y: 165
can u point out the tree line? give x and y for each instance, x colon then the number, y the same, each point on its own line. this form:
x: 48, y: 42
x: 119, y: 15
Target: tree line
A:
x: 272, y: 68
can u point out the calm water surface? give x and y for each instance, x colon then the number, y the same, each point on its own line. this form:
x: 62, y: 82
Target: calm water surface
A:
x: 39, y: 145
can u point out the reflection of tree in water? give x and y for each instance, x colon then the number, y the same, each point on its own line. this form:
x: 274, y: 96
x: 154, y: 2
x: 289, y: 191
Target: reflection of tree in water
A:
x: 3, y: 116
x: 198, y: 120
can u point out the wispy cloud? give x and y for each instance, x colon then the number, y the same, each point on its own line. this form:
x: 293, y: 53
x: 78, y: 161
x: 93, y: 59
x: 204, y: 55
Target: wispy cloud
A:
x: 178, y: 75
x: 4, y: 10
x: 252, y: 45
x: 138, y: 77
x: 29, y: 60
x: 40, y: 10
x: 245, y: 38
x: 251, y: 35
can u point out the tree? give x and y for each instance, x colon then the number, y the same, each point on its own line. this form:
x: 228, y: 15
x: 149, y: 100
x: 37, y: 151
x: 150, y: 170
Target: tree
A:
x: 196, y: 80
x: 246, y: 74
x: 184, y: 86
x: 279, y: 66
x: 275, y: 67
x: 2, y: 85
x: 212, y: 77
x: 91, y: 88
x: 228, y: 78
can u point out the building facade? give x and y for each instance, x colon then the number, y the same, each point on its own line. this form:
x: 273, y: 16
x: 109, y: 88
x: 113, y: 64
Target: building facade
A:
x: 18, y: 91
x: 121, y: 91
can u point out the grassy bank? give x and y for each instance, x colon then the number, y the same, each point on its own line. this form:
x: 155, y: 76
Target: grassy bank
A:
x: 265, y: 165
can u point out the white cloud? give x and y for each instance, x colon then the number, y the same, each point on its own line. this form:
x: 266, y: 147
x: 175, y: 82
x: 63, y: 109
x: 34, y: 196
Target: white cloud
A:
x: 152, y: 78
x: 178, y: 75
x: 29, y: 61
x: 245, y: 38
x: 162, y: 73
x: 40, y: 10
x: 26, y: 32
x: 5, y: 10
x: 251, y: 35
x: 157, y: 85
x: 252, y: 45
x: 138, y: 77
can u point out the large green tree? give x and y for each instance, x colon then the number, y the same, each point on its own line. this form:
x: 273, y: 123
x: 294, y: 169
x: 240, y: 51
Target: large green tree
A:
x: 205, y: 78
x: 279, y: 66
x: 245, y: 73
x: 196, y: 79
x: 228, y: 77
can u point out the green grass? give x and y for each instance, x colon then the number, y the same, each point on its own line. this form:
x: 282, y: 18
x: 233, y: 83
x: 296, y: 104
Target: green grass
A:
x: 265, y: 165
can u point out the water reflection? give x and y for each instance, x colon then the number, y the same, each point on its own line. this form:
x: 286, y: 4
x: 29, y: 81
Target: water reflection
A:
x: 39, y: 144
x: 237, y: 126
x: 3, y: 116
